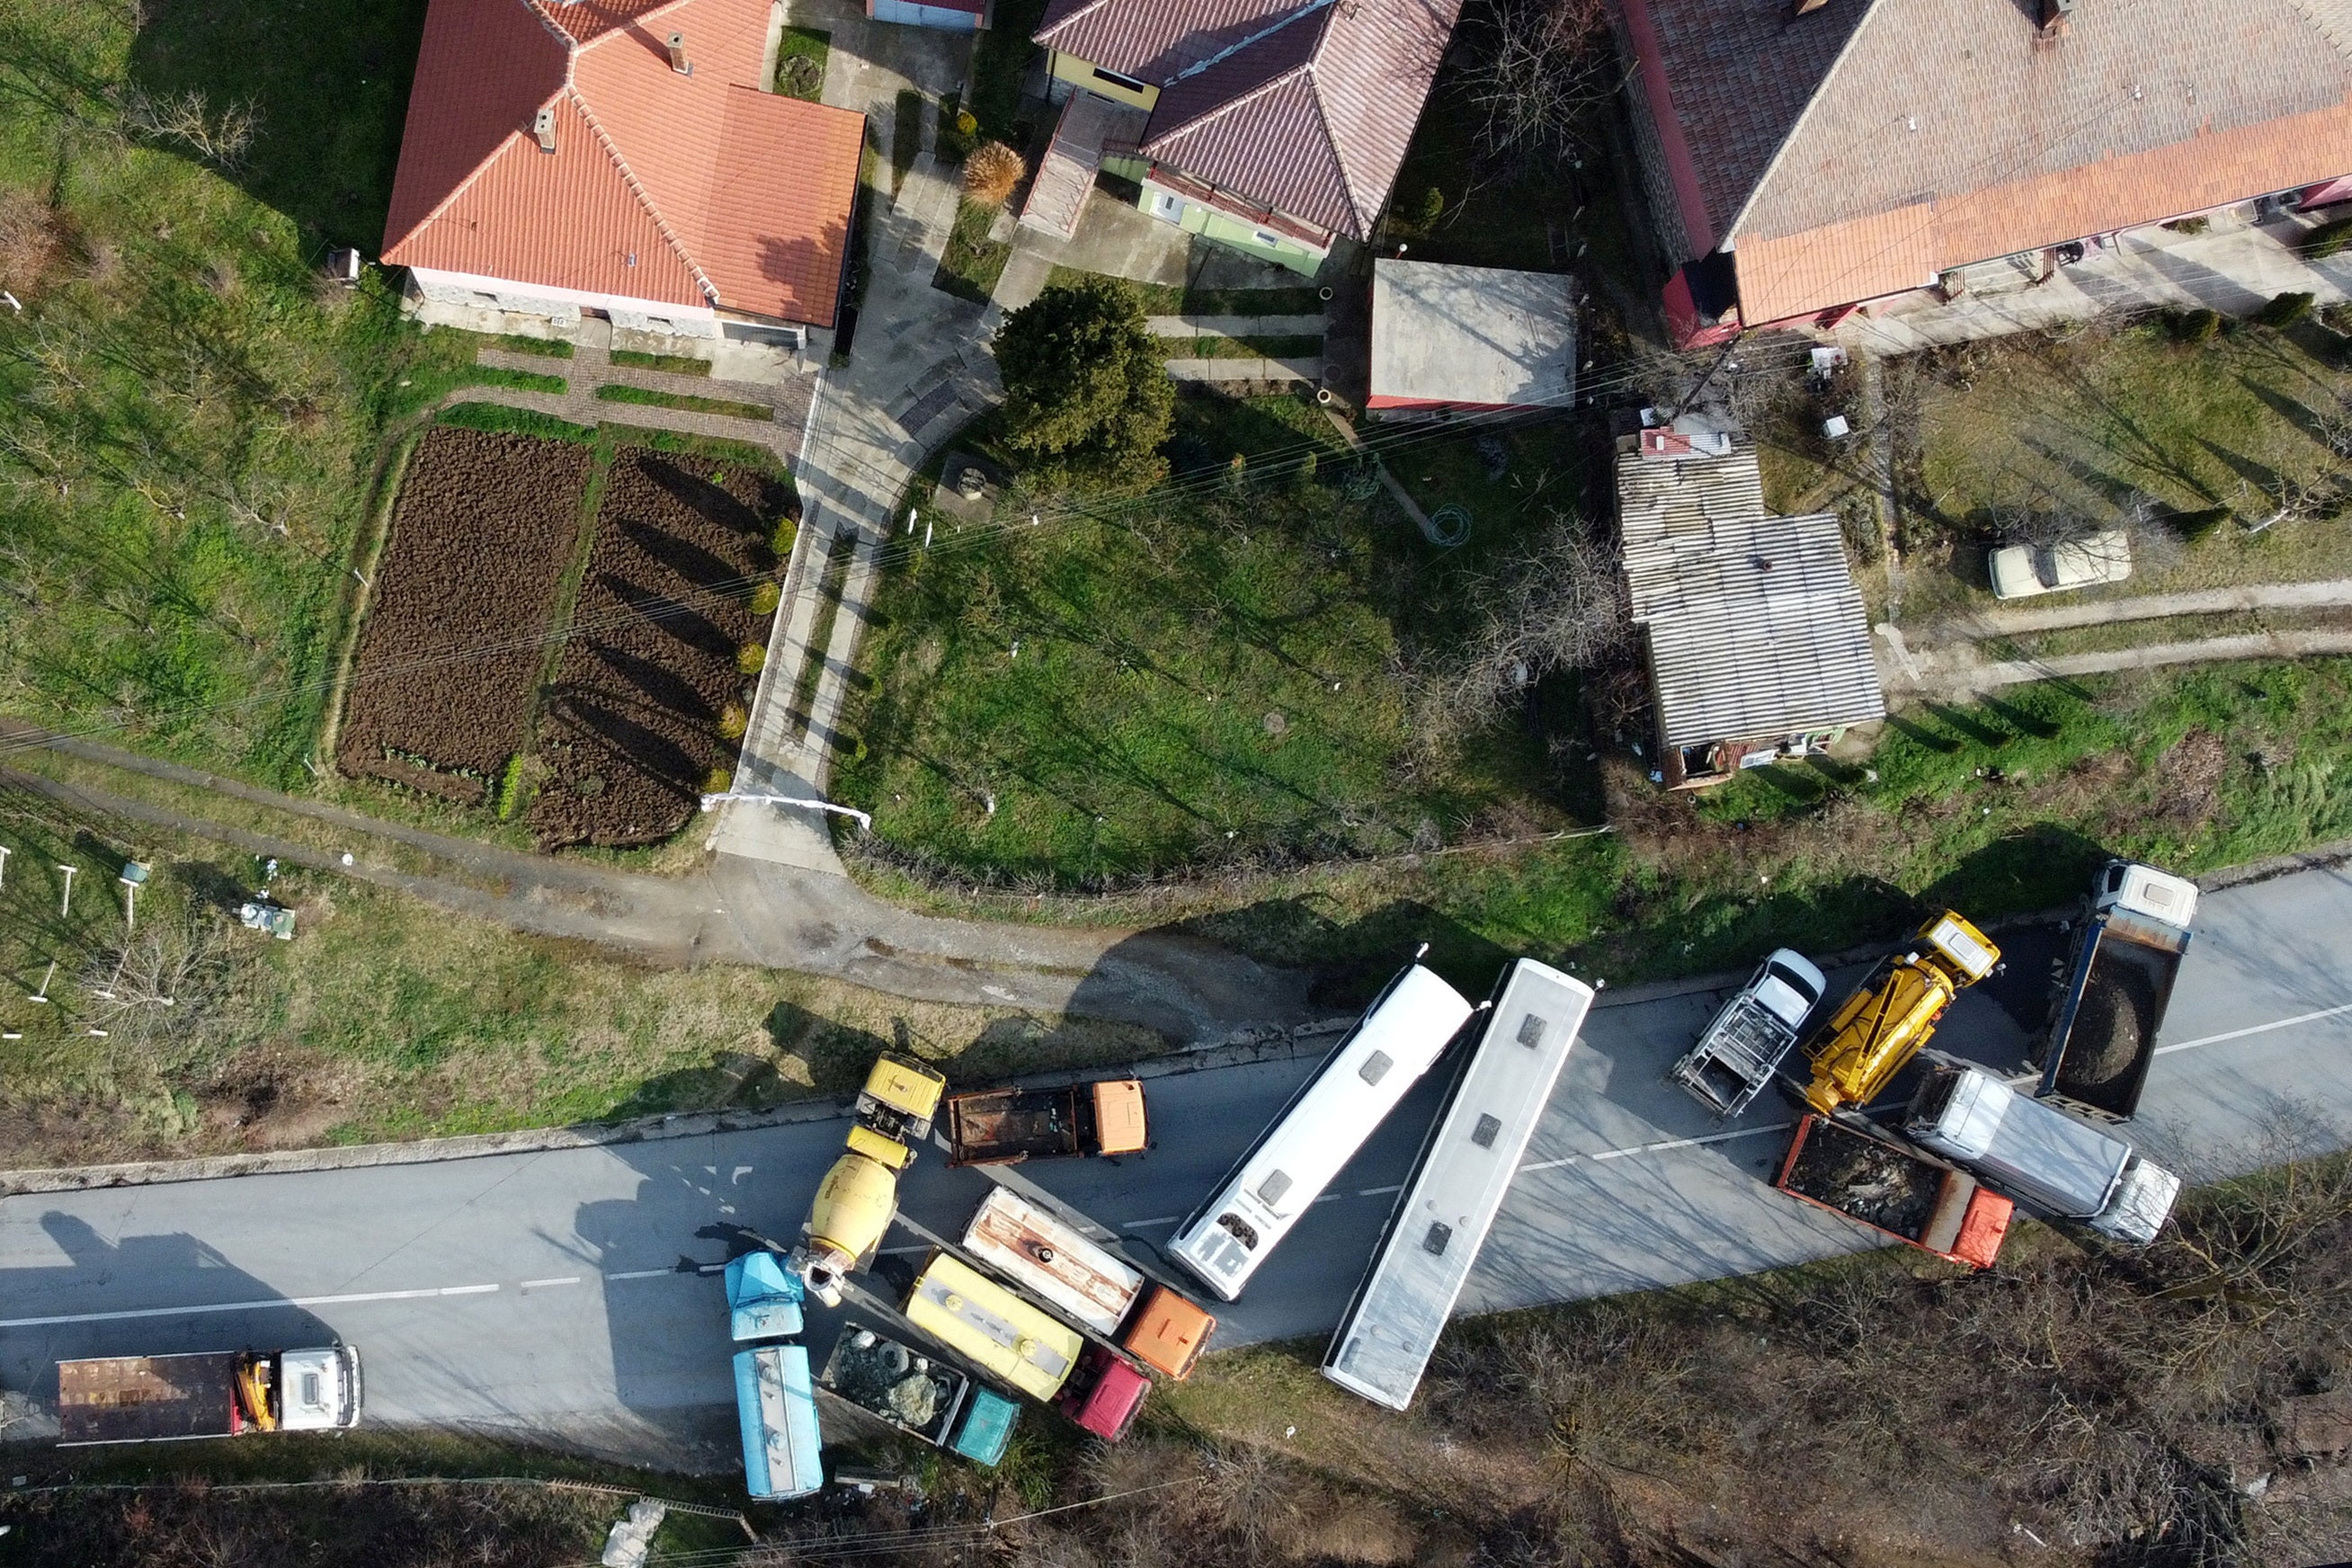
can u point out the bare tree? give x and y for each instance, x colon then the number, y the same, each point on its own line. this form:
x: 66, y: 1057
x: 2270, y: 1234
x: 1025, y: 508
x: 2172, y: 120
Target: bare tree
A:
x: 1541, y: 76
x: 1559, y: 604
x: 177, y: 982
x: 222, y: 138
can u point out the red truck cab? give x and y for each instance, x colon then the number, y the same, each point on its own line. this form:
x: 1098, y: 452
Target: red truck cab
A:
x: 1105, y: 1395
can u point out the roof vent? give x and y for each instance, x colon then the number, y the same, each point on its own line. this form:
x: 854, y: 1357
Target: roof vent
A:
x: 543, y: 125
x: 684, y: 66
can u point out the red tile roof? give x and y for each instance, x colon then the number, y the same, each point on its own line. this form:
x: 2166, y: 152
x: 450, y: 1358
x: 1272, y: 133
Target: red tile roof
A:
x: 693, y: 189
x: 1305, y: 106
x: 1860, y: 148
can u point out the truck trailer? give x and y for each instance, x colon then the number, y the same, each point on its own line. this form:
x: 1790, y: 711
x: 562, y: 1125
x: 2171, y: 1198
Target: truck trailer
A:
x: 216, y: 1393
x: 1059, y: 1265
x: 1880, y: 1183
x: 2039, y: 1155
x: 919, y: 1395
x: 2114, y: 989
x: 1005, y: 1126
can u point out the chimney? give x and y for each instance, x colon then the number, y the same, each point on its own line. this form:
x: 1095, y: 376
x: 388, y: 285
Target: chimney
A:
x: 1801, y: 7
x: 684, y: 66
x: 2055, y: 14
x: 543, y: 125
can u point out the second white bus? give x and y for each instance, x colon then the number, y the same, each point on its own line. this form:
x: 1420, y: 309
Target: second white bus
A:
x: 1442, y: 1217
x: 1406, y: 1028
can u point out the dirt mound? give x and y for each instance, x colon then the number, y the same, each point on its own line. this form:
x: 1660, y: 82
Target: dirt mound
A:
x: 1866, y: 1179
x: 2106, y: 1036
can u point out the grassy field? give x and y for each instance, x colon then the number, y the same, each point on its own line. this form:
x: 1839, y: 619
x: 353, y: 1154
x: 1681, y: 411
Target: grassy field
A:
x: 799, y: 63
x: 614, y: 391
x: 973, y: 263
x: 188, y: 419
x: 1181, y: 300
x: 1207, y: 679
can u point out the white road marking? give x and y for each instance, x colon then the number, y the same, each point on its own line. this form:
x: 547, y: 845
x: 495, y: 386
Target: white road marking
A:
x: 265, y: 1304
x: 2336, y: 1011
x: 1654, y: 1148
x: 1162, y: 1220
x: 544, y: 1284
x: 640, y: 1273
x: 1381, y: 1192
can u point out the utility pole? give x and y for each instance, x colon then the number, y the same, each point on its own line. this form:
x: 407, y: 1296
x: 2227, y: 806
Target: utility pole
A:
x: 43, y: 993
x: 4, y: 864
x: 65, y: 905
x: 135, y: 875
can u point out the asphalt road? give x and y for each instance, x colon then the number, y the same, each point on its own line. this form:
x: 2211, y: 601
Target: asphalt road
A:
x: 563, y: 1295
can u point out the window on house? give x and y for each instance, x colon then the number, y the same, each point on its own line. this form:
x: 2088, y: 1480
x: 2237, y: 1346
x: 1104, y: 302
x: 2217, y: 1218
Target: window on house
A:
x: 1268, y: 239
x: 1129, y: 82
x: 1168, y: 206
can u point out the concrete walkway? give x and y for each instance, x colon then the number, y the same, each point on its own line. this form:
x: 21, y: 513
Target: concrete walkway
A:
x: 919, y: 368
x: 1308, y: 370
x: 2156, y: 607
x: 1234, y: 326
x: 1961, y: 670
x: 590, y: 366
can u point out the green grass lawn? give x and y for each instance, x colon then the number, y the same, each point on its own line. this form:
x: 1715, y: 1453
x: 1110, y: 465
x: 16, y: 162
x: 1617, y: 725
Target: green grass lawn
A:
x: 614, y: 392
x: 973, y: 263
x: 675, y: 364
x: 189, y: 423
x: 1181, y: 299
x: 1202, y: 681
x: 801, y: 61
x: 1210, y: 346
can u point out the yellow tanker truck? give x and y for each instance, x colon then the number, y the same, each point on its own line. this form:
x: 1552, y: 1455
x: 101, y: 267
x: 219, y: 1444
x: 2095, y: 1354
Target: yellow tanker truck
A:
x: 859, y: 1197
x: 1861, y: 1048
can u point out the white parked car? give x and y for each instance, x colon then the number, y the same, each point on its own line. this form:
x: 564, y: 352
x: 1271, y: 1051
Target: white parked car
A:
x: 2022, y: 571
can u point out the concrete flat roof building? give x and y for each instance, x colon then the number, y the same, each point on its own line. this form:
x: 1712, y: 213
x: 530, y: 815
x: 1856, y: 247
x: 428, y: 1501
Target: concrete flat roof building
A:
x: 1470, y: 337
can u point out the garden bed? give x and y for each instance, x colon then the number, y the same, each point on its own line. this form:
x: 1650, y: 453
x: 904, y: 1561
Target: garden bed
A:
x: 631, y: 730
x: 441, y: 687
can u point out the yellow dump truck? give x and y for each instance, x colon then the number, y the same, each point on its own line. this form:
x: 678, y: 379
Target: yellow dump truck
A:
x: 1861, y: 1048
x: 860, y: 1195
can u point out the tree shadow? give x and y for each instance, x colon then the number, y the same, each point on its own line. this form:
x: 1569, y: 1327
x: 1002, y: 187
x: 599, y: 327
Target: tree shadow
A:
x: 329, y: 86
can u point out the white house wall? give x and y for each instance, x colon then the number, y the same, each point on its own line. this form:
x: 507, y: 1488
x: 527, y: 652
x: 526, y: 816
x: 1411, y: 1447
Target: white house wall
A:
x: 563, y: 306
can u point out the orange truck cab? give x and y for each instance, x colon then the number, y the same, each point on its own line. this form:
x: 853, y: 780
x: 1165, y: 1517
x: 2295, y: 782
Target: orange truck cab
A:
x: 1005, y: 1126
x: 1055, y: 1263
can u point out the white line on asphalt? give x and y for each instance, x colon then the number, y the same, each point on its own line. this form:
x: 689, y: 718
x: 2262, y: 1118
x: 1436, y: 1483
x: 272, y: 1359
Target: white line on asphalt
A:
x: 1162, y: 1220
x: 260, y: 1306
x: 1381, y: 1192
x: 642, y: 1273
x: 2257, y: 1029
x: 543, y: 1284
x: 1654, y: 1148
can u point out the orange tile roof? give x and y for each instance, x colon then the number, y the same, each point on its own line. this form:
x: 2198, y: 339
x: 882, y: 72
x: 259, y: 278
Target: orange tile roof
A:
x: 693, y: 189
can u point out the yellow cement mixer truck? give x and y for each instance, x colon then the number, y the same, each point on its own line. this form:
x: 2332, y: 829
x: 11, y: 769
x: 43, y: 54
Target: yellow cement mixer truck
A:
x: 1856, y: 1053
x: 859, y: 1197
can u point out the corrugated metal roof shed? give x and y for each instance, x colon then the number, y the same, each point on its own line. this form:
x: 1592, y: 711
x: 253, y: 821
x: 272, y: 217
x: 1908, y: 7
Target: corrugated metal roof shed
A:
x: 1755, y: 626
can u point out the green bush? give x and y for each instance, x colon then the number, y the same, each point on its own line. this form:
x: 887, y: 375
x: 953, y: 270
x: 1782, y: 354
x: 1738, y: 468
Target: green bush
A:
x: 1087, y: 399
x: 2286, y: 310
x: 780, y: 541
x: 765, y: 598
x: 751, y: 657
x: 2327, y: 239
x: 732, y: 722
x: 2194, y: 326
x: 510, y: 788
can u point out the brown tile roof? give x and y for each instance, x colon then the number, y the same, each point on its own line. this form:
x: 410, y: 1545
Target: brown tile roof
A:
x: 1802, y: 130
x: 688, y: 190
x: 1306, y: 108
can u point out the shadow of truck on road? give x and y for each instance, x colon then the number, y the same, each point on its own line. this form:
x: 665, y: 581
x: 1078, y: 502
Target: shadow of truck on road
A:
x: 49, y: 1314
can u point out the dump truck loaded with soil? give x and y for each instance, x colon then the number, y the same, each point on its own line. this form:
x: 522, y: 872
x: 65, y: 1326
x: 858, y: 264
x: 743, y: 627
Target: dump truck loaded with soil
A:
x: 2114, y: 989
x: 1883, y: 1183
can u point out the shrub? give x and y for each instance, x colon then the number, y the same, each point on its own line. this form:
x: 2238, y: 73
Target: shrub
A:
x: 990, y: 172
x: 2327, y: 239
x: 732, y: 722
x: 1433, y: 206
x: 1307, y: 471
x: 1086, y: 395
x: 29, y: 247
x: 2189, y: 224
x: 765, y: 598
x: 780, y: 541
x: 751, y: 657
x: 966, y: 123
x: 2195, y: 326
x: 718, y: 781
x: 2286, y: 310
x: 511, y: 787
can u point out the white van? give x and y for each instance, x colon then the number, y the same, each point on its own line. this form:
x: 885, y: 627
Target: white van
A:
x: 2039, y: 1155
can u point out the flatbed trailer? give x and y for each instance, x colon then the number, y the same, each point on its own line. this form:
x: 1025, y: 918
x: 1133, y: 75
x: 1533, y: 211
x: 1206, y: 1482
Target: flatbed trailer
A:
x: 919, y: 1394
x: 1875, y: 1180
x: 208, y: 1394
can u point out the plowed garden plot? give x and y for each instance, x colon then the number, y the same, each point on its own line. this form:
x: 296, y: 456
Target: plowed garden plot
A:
x: 441, y: 689
x: 629, y: 732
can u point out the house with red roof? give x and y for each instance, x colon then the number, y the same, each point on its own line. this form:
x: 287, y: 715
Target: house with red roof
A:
x: 621, y: 158
x: 1275, y: 127
x: 1805, y: 158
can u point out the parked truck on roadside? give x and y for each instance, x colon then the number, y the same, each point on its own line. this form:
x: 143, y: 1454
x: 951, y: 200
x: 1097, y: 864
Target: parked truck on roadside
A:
x: 775, y: 1406
x: 1059, y: 1265
x: 919, y: 1394
x: 859, y: 1197
x: 2113, y: 990
x: 1746, y: 1041
x: 1880, y: 1183
x: 992, y: 1327
x: 2038, y: 1155
x: 216, y: 1393
x: 1003, y: 1126
x: 1874, y: 1033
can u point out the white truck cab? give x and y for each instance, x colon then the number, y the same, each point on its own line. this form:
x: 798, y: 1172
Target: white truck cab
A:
x: 2144, y: 890
x: 317, y: 1390
x: 2039, y: 1155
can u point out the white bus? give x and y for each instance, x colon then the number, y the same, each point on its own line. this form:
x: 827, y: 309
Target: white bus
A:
x: 1405, y: 1029
x: 1447, y: 1207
